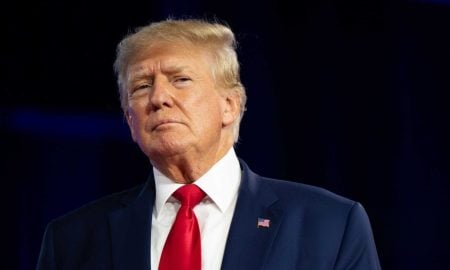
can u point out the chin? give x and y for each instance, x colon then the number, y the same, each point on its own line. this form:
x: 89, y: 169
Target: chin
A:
x: 166, y: 148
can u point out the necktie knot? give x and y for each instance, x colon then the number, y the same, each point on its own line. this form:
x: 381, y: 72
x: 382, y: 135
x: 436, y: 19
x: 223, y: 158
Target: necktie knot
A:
x: 189, y: 195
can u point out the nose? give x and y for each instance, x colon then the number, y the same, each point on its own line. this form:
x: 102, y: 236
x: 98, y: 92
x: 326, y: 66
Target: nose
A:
x: 160, y: 96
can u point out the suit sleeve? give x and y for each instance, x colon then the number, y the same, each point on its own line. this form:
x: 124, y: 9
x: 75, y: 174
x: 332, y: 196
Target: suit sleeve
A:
x: 357, y: 251
x: 46, y: 259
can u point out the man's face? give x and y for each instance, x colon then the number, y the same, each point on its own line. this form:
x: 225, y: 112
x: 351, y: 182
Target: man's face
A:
x: 174, y: 105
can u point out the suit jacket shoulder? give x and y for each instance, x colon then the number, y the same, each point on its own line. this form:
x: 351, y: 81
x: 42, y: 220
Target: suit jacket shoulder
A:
x: 98, y: 209
x: 305, y: 227
x: 299, y: 193
x: 83, y: 238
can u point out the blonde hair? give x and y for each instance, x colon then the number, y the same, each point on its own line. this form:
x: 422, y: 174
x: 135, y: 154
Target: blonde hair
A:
x: 216, y: 37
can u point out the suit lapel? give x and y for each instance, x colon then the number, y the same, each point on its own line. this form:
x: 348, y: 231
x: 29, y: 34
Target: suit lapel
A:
x: 130, y: 231
x: 247, y: 245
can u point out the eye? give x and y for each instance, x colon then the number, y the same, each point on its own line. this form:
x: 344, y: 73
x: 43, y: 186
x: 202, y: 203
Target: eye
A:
x: 139, y: 88
x: 181, y: 81
x: 142, y: 86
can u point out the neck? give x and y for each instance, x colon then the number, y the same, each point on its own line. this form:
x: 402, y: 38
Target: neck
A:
x: 188, y: 167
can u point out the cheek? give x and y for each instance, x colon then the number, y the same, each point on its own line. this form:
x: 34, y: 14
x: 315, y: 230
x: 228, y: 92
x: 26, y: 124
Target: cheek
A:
x: 211, y: 115
x: 136, y: 120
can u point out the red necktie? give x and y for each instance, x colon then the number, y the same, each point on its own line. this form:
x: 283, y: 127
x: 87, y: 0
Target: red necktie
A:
x: 182, y: 250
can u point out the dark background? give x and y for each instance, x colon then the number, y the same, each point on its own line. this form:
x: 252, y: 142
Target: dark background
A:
x: 351, y: 96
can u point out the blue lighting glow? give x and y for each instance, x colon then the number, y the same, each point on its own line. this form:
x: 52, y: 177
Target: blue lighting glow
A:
x: 81, y: 125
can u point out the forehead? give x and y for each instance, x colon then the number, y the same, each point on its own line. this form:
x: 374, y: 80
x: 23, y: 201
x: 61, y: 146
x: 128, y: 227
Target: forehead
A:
x: 170, y: 58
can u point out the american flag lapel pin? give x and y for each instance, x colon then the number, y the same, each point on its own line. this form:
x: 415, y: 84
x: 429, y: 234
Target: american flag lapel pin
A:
x: 263, y: 223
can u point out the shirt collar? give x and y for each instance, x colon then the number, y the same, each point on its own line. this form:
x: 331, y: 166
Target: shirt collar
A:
x: 220, y: 183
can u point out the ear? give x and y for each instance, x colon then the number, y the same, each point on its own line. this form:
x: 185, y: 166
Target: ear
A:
x: 130, y: 119
x: 231, y: 108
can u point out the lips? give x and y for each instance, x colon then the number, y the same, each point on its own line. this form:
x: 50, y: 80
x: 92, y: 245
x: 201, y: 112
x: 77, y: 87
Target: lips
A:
x: 164, y: 122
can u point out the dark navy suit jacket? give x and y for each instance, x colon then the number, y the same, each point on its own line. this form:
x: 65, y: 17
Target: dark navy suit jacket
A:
x: 310, y: 229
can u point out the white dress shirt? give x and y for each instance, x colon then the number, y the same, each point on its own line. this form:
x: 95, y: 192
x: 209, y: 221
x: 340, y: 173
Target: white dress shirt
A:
x: 214, y: 212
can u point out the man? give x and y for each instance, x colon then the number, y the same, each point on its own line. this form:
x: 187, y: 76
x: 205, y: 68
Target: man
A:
x: 183, y: 101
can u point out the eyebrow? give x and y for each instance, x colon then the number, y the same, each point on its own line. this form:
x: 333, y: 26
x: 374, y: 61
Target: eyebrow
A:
x: 170, y: 70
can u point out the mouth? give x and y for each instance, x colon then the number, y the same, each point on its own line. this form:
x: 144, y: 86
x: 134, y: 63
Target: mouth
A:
x: 165, y: 124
